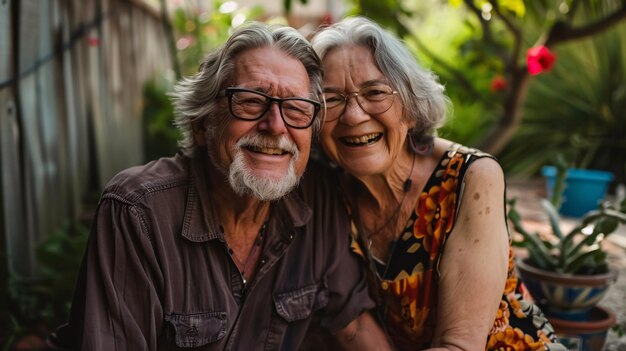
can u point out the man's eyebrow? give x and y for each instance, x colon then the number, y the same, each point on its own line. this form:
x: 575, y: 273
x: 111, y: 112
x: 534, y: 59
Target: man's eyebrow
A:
x: 332, y: 90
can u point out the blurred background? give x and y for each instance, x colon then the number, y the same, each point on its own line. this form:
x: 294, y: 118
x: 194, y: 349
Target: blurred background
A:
x: 83, y: 88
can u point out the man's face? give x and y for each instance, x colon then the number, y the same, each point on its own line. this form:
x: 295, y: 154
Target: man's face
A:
x: 264, y: 158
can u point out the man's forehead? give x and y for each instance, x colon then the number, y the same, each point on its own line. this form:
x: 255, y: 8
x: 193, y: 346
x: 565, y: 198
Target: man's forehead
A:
x: 272, y: 71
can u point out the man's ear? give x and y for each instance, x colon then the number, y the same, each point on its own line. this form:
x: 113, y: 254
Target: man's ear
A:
x: 199, y: 131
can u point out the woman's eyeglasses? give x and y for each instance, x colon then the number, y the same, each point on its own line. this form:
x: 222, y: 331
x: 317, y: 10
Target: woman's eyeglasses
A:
x: 372, y: 99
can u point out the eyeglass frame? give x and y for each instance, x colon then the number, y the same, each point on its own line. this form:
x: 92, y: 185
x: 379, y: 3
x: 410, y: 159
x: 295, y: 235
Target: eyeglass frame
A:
x: 228, y: 93
x: 348, y: 95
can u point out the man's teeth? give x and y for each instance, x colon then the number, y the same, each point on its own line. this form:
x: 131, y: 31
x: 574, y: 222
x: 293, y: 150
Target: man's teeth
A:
x: 267, y: 150
x: 362, y: 139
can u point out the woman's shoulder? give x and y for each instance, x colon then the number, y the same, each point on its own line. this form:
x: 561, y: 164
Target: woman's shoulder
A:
x: 477, y: 166
x: 443, y: 146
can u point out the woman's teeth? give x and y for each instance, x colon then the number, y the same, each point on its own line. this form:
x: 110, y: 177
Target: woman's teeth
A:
x: 362, y: 140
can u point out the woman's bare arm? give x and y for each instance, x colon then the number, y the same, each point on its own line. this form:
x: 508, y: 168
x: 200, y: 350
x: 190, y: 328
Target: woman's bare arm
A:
x: 363, y: 333
x: 474, y: 265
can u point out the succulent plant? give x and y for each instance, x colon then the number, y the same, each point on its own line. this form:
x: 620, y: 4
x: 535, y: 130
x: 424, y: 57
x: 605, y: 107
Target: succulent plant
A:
x: 578, y: 251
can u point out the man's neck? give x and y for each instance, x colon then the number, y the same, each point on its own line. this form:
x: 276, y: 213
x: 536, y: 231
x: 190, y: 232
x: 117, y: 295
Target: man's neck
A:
x: 240, y: 212
x: 237, y: 214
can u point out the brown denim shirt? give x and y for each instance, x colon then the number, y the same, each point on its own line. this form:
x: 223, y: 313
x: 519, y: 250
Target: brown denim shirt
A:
x: 157, y: 274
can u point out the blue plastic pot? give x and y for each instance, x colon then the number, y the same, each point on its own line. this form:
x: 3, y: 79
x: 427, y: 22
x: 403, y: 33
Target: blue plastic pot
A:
x: 584, y: 189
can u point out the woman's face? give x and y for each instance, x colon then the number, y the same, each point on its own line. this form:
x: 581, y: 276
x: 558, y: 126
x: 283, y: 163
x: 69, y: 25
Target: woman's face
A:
x: 360, y: 142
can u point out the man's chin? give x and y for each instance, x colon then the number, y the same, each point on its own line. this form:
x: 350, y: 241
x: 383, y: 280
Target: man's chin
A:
x: 263, y: 186
x: 269, y: 176
x: 268, y: 189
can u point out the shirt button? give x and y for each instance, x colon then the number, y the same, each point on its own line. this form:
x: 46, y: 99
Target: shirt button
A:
x: 193, y: 331
x: 262, y: 262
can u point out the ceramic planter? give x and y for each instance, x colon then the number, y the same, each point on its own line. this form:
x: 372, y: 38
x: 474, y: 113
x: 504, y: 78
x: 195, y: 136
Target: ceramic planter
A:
x: 565, y: 296
x: 588, y: 335
x: 584, y: 189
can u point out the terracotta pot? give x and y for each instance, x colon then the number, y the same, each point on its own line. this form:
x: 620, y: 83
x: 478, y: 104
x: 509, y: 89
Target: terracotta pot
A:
x: 588, y: 335
x: 565, y: 296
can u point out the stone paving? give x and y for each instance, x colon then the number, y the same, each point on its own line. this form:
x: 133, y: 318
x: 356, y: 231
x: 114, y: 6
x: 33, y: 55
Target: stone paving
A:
x: 528, y: 193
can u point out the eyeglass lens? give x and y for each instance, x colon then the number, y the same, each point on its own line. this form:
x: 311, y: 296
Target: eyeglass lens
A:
x: 251, y: 105
x: 373, y: 99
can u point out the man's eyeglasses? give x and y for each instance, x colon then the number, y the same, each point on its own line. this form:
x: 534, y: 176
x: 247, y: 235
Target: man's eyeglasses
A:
x: 373, y: 99
x: 251, y: 105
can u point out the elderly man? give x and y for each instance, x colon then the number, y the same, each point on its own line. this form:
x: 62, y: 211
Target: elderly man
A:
x: 213, y: 249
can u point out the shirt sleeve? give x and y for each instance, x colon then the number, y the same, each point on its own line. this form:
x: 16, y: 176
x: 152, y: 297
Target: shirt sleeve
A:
x: 349, y: 296
x: 348, y: 291
x: 116, y: 304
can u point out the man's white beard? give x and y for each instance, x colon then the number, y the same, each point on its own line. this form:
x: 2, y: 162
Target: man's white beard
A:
x: 245, y: 182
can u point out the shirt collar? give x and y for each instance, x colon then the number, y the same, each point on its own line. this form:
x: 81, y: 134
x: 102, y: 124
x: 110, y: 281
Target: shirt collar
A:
x: 201, y: 222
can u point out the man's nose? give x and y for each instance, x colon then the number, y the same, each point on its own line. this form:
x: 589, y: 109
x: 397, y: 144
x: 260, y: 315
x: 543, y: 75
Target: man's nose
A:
x: 272, y: 121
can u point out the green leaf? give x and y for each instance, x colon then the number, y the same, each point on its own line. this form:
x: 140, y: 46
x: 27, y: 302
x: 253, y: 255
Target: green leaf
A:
x: 515, y: 6
x: 539, y: 258
x: 588, y: 240
x: 456, y: 3
x: 287, y: 5
x: 592, y: 259
x: 606, y: 226
x: 554, y: 218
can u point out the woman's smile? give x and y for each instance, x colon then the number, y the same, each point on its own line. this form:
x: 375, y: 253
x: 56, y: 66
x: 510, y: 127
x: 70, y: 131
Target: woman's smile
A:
x: 367, y: 139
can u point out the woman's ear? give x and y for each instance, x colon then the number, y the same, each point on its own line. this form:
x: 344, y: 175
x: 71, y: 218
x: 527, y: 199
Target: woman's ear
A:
x: 199, y: 131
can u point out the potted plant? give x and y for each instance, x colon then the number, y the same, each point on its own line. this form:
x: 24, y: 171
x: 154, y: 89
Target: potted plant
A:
x: 582, y: 189
x: 567, y: 273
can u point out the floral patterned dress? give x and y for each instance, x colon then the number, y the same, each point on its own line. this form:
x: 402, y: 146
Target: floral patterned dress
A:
x: 406, y: 286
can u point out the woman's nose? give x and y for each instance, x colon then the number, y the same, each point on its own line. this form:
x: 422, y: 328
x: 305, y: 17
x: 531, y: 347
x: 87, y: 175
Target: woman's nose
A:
x: 353, y: 113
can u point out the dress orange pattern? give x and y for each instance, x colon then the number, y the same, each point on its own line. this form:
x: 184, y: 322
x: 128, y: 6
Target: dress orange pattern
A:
x: 406, y: 285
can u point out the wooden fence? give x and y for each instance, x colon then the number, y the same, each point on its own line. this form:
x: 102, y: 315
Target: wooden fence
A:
x: 71, y: 77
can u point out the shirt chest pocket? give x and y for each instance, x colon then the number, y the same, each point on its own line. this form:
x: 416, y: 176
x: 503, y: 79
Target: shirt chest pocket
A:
x: 193, y: 330
x: 300, y: 303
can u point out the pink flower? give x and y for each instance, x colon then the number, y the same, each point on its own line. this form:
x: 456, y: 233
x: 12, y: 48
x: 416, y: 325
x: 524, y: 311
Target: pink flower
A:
x: 539, y: 59
x: 498, y: 83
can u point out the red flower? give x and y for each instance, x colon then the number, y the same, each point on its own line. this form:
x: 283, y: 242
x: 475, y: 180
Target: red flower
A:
x: 539, y: 59
x: 498, y: 83
x: 93, y: 41
x: 327, y: 20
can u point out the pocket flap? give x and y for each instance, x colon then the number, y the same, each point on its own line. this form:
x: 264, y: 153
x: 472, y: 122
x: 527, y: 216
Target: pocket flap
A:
x: 298, y: 304
x: 192, y: 330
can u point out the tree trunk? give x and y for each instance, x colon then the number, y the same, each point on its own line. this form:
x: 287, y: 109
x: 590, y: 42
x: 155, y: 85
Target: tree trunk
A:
x: 501, y: 133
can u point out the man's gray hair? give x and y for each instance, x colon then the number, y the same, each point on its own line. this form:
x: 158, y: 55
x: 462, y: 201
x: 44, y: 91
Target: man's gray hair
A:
x: 194, y: 97
x: 420, y: 91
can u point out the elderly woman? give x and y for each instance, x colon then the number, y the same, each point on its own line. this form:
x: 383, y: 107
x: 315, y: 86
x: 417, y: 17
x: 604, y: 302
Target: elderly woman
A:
x: 428, y: 214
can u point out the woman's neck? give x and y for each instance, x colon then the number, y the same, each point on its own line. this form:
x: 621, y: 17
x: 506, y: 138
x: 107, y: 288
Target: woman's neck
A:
x: 386, y: 190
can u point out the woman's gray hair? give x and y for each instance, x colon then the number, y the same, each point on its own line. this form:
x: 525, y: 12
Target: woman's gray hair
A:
x: 420, y: 91
x: 194, y: 97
